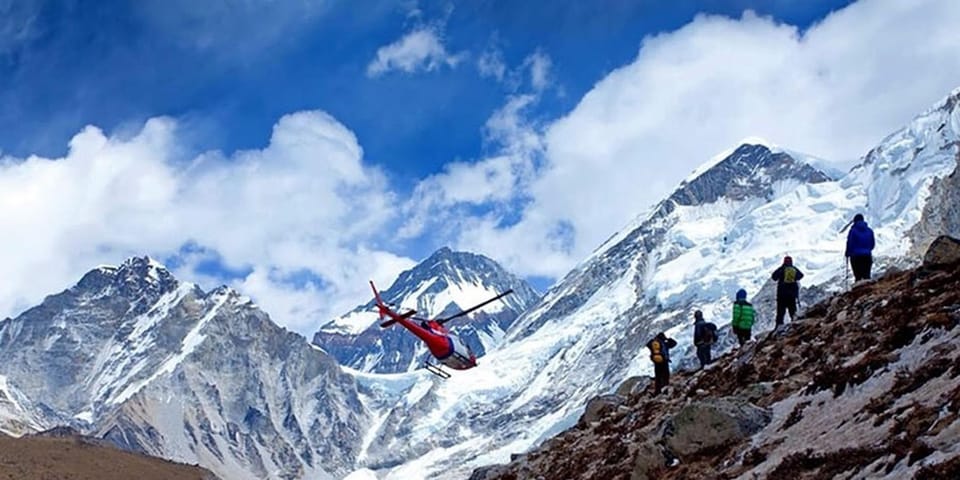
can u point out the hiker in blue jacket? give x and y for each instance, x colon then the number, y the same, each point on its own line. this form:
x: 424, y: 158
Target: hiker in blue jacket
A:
x: 860, y: 245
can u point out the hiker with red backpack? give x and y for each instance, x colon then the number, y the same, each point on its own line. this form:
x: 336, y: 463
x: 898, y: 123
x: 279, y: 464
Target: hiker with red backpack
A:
x: 787, y: 277
x: 704, y: 336
x: 660, y: 356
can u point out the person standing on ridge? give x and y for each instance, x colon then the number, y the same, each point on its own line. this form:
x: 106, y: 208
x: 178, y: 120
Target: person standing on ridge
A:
x: 704, y: 336
x: 743, y: 316
x: 660, y: 356
x: 860, y: 243
x: 788, y: 289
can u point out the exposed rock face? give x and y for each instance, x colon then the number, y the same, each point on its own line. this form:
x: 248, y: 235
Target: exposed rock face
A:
x: 944, y: 250
x: 941, y: 214
x: 750, y: 171
x: 704, y: 426
x: 866, y: 386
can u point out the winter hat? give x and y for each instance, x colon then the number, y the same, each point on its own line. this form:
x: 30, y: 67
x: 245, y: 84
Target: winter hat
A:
x: 698, y: 315
x: 788, y: 260
x: 741, y: 294
x: 858, y: 217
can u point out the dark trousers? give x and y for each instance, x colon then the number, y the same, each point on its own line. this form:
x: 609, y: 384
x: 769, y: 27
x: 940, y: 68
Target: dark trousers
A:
x: 784, y: 305
x: 661, y: 376
x: 743, y: 334
x: 861, y: 265
x: 703, y: 354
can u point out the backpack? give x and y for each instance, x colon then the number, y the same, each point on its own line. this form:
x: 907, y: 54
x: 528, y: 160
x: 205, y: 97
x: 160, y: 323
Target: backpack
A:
x: 710, y: 333
x: 656, y: 351
x: 789, y: 274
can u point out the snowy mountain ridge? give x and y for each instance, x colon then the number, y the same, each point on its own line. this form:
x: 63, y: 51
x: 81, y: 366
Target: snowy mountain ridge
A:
x: 443, y: 284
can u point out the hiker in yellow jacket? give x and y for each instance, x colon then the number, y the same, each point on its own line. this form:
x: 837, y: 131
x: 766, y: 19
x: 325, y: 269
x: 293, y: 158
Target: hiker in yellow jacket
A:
x: 788, y: 289
x: 660, y: 356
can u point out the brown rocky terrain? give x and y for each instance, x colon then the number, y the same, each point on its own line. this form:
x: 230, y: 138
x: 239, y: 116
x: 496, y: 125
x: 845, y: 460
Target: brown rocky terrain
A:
x: 67, y: 456
x: 865, y: 385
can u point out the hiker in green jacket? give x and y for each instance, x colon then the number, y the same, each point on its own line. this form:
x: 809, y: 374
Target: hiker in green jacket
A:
x: 743, y: 316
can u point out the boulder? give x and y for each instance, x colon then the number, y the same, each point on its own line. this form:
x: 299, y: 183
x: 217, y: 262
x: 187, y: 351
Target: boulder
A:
x: 708, y: 425
x: 757, y: 391
x: 647, y: 460
x: 943, y: 251
x: 599, y: 407
x: 633, y: 385
x: 489, y: 472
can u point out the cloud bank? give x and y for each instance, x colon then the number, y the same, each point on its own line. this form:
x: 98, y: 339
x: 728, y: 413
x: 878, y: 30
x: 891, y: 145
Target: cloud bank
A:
x: 834, y: 91
x: 299, y: 218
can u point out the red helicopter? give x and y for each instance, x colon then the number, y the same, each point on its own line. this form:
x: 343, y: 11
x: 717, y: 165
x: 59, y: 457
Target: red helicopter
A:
x: 445, y: 346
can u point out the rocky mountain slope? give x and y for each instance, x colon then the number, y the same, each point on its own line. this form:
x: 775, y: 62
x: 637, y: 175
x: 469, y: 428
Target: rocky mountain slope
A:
x: 866, y: 385
x: 445, y: 283
x: 71, y: 456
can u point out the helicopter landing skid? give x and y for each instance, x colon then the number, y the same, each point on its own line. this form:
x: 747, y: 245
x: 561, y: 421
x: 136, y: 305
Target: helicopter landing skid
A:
x: 436, y: 370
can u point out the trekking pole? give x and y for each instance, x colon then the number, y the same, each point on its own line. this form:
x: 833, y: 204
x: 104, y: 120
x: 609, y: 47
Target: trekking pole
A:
x: 846, y: 274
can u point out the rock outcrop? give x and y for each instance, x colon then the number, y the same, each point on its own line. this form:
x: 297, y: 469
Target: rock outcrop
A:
x: 943, y: 251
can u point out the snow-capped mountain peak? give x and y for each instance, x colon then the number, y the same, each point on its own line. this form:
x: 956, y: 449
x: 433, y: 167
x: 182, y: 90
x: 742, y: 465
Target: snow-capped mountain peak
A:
x: 750, y: 170
x: 443, y: 284
x: 140, y: 280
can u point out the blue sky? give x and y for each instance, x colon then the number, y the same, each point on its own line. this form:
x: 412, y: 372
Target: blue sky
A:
x: 114, y: 64
x: 294, y: 149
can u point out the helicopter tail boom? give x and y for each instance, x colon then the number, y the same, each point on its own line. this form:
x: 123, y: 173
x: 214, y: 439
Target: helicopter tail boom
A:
x: 384, y: 310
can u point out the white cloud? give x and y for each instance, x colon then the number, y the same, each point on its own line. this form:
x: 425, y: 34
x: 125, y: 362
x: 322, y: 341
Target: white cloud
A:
x: 305, y: 203
x: 539, y: 64
x: 491, y: 64
x: 420, y: 50
x: 833, y: 91
x: 534, y: 70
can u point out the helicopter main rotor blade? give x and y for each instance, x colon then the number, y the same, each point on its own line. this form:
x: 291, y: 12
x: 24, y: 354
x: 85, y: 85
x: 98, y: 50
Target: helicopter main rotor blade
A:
x: 441, y: 321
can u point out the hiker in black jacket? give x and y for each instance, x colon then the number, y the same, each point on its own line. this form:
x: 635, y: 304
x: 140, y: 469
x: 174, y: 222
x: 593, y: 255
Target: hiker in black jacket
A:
x: 704, y: 336
x: 788, y: 289
x: 660, y: 356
